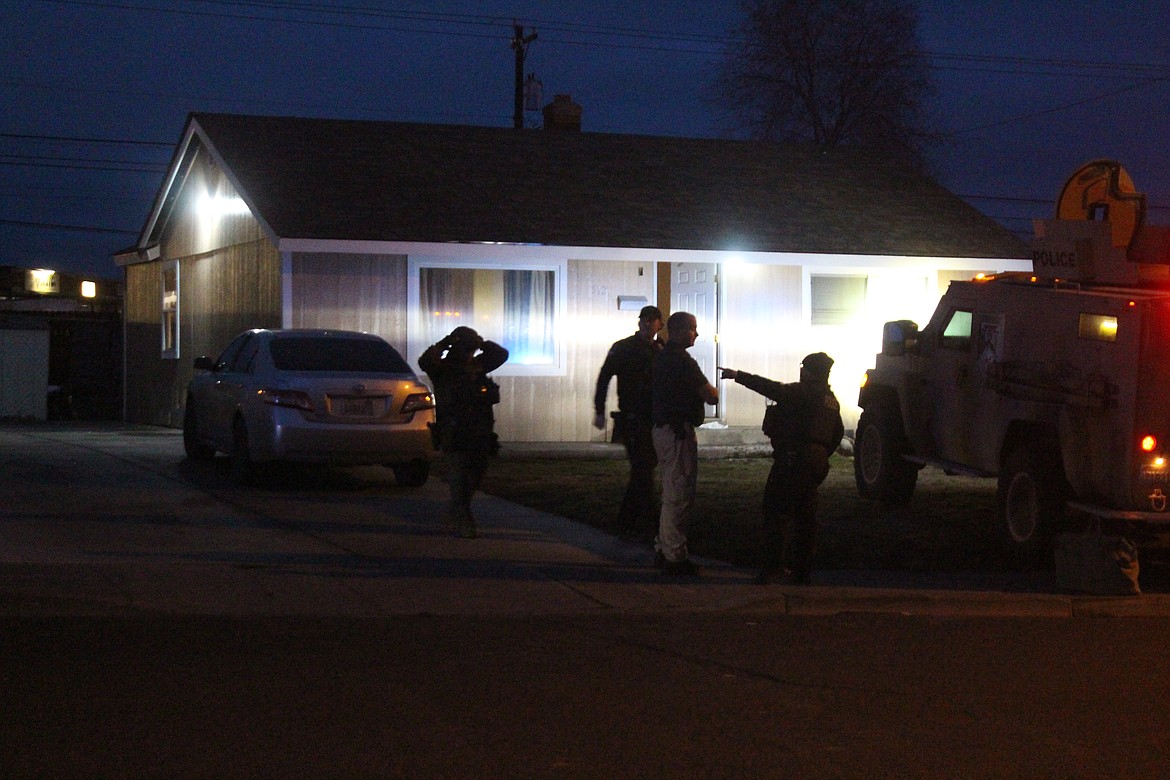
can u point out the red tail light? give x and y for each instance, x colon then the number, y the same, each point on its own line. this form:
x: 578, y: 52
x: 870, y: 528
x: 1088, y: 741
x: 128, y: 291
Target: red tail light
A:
x: 417, y: 402
x: 293, y: 399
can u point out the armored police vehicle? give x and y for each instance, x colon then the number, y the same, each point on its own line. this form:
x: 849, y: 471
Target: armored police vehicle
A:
x: 1055, y: 382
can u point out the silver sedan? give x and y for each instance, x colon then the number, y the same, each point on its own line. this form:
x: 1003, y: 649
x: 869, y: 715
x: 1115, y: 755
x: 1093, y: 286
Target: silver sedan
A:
x: 310, y: 396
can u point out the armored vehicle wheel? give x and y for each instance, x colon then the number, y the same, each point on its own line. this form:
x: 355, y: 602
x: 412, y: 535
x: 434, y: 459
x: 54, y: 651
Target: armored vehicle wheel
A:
x: 878, y: 466
x: 195, y: 449
x: 1030, y: 499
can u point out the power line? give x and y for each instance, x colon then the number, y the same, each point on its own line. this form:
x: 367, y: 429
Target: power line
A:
x: 715, y: 44
x: 1063, y: 107
x: 73, y: 228
x: 76, y: 139
x: 82, y: 165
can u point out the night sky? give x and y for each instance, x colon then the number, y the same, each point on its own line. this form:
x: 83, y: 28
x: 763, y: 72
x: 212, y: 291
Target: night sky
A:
x: 95, y: 94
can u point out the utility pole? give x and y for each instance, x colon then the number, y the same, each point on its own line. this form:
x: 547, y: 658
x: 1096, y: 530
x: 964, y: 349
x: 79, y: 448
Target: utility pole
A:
x: 520, y: 43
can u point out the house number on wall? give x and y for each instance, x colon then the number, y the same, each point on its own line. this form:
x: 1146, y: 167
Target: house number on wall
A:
x: 600, y: 289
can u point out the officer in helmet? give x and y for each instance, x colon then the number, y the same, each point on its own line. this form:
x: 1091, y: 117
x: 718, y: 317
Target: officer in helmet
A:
x: 458, y: 368
x: 805, y: 428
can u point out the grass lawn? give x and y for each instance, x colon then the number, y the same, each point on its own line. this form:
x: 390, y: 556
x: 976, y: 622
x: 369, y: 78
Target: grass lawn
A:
x: 949, y: 525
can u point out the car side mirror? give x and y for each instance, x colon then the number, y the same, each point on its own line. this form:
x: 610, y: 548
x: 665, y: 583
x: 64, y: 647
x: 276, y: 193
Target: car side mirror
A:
x: 205, y: 363
x: 899, y: 337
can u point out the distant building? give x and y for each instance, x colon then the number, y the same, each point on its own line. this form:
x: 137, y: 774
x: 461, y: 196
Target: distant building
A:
x: 60, y: 345
x: 548, y: 241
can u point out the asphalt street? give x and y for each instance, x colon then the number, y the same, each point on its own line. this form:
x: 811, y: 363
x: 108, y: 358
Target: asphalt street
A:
x: 158, y: 621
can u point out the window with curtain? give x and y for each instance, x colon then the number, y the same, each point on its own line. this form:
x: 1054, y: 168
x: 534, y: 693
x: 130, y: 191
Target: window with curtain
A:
x: 515, y: 308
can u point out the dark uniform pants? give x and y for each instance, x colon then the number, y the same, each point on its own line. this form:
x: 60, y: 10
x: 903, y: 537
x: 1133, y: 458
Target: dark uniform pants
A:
x: 639, y: 510
x: 790, y: 499
x: 467, y: 468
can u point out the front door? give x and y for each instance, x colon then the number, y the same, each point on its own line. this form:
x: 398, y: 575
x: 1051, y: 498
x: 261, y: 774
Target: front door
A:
x: 693, y: 288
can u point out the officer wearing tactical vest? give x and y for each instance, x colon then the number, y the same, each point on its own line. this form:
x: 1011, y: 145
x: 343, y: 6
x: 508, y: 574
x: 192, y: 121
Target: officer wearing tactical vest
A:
x: 805, y: 428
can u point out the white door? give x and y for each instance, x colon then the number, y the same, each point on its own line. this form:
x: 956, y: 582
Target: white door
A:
x: 693, y: 289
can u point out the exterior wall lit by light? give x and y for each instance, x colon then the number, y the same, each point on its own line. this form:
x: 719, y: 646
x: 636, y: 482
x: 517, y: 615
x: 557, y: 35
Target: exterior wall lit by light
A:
x: 216, y: 207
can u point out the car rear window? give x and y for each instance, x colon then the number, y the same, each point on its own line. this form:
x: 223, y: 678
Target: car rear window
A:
x: 322, y: 353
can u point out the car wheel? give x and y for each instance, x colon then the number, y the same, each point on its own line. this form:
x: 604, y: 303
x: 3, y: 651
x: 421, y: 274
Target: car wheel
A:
x: 413, y: 474
x: 879, y: 468
x: 243, y: 471
x: 1030, y: 499
x: 195, y: 449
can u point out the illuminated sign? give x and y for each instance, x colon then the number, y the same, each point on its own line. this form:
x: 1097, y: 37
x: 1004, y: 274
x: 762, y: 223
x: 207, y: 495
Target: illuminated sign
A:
x: 42, y: 280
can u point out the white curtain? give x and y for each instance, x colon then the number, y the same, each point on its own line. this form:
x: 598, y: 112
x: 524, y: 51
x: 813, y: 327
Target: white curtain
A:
x: 528, y: 317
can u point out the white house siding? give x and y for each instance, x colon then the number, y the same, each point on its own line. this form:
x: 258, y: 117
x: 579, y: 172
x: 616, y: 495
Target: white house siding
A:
x: 765, y: 316
x: 560, y: 408
x: 350, y: 292
x: 368, y: 292
x: 766, y: 320
x: 762, y: 331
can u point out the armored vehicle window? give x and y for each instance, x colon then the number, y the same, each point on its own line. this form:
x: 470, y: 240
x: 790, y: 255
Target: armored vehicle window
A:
x: 1099, y: 327
x: 957, y: 333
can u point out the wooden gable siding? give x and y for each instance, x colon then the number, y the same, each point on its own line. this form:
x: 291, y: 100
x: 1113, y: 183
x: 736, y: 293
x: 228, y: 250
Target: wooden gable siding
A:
x: 220, y: 294
x: 351, y: 292
x: 229, y: 281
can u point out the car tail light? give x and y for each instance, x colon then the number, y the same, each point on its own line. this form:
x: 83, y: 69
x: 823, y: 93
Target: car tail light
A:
x: 293, y: 399
x: 416, y: 402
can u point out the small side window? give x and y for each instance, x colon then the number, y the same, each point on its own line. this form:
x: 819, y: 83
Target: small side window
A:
x: 1098, y: 327
x: 957, y: 333
x: 247, y: 353
x: 227, y: 359
x: 170, y: 310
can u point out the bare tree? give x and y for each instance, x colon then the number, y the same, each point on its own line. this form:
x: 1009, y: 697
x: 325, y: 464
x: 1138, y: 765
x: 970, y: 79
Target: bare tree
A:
x: 829, y: 72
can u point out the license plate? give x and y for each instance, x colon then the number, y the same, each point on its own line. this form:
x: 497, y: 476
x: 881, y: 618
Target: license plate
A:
x: 357, y: 407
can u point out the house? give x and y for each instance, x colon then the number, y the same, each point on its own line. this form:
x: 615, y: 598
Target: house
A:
x: 546, y: 240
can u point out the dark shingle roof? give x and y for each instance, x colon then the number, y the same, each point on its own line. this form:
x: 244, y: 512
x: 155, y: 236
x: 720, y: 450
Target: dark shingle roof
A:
x: 391, y: 181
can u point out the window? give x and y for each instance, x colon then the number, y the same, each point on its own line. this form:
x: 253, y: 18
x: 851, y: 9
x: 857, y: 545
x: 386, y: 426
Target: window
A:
x: 327, y: 353
x: 170, y: 309
x: 837, y: 300
x: 517, y: 307
x: 227, y: 359
x: 1099, y: 327
x: 957, y: 333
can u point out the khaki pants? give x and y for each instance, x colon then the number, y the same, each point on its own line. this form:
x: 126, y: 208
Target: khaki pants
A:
x: 678, y: 463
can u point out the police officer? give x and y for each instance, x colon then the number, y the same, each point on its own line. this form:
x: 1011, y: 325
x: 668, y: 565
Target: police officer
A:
x: 458, y: 367
x: 805, y: 428
x: 630, y: 360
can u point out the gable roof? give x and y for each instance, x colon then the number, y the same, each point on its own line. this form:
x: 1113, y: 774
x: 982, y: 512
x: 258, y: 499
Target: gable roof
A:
x: 390, y: 181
